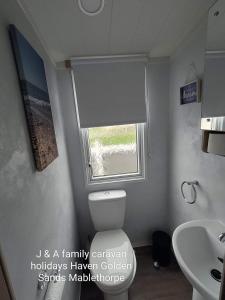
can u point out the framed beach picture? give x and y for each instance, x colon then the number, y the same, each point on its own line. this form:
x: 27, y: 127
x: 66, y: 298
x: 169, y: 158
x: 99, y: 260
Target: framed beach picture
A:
x: 34, y: 89
x: 191, y: 92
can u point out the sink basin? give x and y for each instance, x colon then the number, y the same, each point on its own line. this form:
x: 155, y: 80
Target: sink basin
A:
x: 197, y: 249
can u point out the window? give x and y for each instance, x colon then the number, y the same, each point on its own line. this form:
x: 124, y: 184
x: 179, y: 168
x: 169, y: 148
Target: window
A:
x: 111, y: 91
x: 114, y: 152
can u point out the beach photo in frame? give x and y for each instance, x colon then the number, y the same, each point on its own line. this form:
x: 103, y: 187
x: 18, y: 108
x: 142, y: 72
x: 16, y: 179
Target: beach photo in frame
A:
x: 191, y: 92
x: 34, y: 89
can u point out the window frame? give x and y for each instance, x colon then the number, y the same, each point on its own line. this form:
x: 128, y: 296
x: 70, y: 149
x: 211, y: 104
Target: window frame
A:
x: 140, y: 175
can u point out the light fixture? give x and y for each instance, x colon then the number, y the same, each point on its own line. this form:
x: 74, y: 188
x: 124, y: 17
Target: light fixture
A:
x: 216, y: 13
x: 91, y: 7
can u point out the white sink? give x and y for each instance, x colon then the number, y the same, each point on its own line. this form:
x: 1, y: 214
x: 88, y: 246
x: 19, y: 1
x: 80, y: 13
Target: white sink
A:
x: 197, y: 248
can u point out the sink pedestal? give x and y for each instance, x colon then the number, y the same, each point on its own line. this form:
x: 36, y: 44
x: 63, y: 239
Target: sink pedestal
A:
x: 197, y: 296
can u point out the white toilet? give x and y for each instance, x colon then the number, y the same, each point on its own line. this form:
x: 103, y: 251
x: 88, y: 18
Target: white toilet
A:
x: 111, y: 254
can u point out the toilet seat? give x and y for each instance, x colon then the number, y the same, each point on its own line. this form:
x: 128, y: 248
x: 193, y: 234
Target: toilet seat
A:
x: 112, y: 248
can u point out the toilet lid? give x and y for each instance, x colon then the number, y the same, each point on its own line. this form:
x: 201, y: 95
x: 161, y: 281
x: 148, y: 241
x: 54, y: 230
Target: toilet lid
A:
x: 111, y: 257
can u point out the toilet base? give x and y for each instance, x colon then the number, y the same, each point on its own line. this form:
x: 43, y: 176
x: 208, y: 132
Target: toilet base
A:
x: 122, y: 296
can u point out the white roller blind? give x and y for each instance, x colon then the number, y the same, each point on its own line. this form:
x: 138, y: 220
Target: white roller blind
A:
x: 110, y: 93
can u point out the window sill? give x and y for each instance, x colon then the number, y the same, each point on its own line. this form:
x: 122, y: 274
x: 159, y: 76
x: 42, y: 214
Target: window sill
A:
x: 111, y: 180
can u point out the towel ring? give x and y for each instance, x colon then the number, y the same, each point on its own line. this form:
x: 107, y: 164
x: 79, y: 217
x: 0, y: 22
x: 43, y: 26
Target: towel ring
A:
x: 194, y: 194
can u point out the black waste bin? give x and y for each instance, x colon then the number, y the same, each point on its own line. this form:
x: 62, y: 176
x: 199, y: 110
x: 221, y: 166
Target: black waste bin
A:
x: 161, y: 249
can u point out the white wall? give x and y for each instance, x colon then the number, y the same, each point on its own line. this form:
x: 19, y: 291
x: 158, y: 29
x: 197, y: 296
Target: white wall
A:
x: 36, y: 208
x: 146, y: 200
x: 187, y: 161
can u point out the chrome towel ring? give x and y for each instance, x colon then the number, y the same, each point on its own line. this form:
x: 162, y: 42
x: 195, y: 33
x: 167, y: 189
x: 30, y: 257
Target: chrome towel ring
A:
x: 193, y: 192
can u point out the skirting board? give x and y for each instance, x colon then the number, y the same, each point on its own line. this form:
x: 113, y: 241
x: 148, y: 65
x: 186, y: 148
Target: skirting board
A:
x: 141, y: 244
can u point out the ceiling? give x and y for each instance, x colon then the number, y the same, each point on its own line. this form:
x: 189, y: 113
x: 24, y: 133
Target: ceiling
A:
x: 216, y: 28
x: 124, y: 26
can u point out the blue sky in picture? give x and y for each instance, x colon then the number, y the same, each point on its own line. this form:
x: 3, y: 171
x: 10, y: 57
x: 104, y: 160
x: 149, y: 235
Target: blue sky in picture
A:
x: 32, y: 63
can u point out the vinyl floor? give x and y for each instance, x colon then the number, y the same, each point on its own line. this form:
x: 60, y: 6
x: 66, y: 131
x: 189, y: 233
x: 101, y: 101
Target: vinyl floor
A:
x: 149, y: 284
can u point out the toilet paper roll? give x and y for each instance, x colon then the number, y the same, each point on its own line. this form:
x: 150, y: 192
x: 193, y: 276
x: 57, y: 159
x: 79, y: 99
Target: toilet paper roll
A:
x: 216, y: 143
x: 55, y: 290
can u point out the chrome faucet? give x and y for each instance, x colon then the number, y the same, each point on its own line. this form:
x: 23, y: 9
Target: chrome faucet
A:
x: 222, y: 237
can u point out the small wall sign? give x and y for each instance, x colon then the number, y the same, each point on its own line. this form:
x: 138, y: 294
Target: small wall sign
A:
x: 190, y: 93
